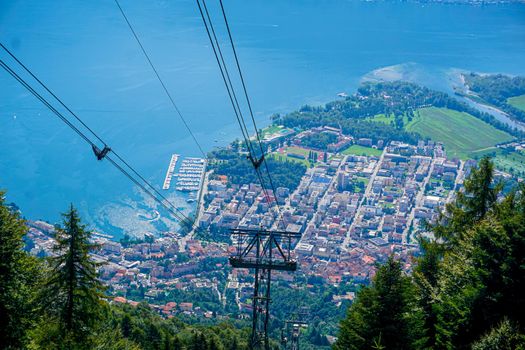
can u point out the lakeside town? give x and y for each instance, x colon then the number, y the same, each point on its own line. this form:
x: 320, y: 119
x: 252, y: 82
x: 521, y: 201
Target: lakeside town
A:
x: 356, y: 205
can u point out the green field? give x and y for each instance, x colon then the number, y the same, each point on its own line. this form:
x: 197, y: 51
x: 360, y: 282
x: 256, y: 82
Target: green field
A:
x: 283, y: 157
x: 509, y: 161
x: 461, y: 133
x: 362, y: 151
x: 382, y: 118
x: 298, y: 150
x: 294, y: 150
x: 272, y: 129
x: 513, y: 163
x: 518, y: 102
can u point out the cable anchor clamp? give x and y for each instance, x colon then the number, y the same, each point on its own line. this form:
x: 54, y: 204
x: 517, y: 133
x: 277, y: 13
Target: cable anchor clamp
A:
x: 256, y: 162
x: 101, y: 154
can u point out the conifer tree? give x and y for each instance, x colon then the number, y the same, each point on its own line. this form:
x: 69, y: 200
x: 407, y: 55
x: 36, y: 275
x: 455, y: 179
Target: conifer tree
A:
x: 71, y: 297
x: 381, y: 313
x: 472, y: 204
x: 18, y: 276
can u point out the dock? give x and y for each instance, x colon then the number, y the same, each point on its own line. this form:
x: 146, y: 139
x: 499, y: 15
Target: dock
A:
x: 190, y: 175
x: 171, y: 170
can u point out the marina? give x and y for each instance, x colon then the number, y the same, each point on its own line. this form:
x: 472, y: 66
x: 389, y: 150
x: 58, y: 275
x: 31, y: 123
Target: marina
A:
x: 190, y: 174
x: 169, y: 173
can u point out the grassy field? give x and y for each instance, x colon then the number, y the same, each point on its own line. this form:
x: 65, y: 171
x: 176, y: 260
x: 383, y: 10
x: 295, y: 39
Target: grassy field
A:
x: 382, y: 118
x: 272, y: 129
x: 518, y: 102
x: 513, y: 163
x: 294, y: 150
x: 362, y: 151
x: 298, y: 150
x: 283, y: 157
x: 461, y: 133
x: 509, y: 161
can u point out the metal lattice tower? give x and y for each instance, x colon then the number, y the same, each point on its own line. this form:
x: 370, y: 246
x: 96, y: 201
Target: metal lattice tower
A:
x: 262, y: 251
x: 292, y: 329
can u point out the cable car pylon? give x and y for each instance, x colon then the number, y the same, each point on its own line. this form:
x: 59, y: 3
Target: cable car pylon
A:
x: 262, y: 251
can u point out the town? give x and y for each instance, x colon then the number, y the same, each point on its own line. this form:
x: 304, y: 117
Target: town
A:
x: 357, y: 204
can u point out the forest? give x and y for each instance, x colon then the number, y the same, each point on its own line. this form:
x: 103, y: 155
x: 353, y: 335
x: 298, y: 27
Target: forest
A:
x: 496, y: 89
x: 239, y: 170
x: 319, y: 141
x: 59, y: 303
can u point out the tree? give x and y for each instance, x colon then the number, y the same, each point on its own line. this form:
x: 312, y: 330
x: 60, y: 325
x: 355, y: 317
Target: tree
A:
x: 481, y: 266
x: 503, y: 337
x: 381, y: 313
x: 471, y: 205
x: 425, y: 278
x: 18, y: 277
x: 71, y: 297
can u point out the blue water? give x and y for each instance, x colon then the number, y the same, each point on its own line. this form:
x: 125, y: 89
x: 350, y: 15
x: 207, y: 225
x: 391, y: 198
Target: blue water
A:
x: 292, y: 52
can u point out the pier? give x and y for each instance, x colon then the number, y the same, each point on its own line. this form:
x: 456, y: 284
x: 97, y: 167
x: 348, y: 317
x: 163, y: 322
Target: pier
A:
x: 169, y: 173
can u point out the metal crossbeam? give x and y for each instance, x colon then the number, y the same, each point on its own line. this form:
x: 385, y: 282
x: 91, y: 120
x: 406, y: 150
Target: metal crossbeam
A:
x: 292, y: 329
x: 263, y: 251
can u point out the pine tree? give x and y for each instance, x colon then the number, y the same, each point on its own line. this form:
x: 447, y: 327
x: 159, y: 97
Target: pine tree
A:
x: 503, y: 337
x: 480, y: 191
x: 177, y: 344
x: 18, y: 277
x: 381, y: 313
x: 71, y: 297
x: 126, y: 326
x: 471, y: 205
x: 426, y: 275
x: 481, y: 275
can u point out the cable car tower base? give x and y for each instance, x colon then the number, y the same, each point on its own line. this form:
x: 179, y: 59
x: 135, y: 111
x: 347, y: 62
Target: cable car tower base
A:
x: 262, y: 251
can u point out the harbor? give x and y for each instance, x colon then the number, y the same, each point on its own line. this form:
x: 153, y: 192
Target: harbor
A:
x: 190, y: 174
x: 169, y: 173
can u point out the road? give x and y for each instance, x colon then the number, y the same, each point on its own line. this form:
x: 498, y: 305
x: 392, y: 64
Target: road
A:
x: 459, y: 180
x: 200, y: 211
x: 418, y: 202
x: 359, y: 211
x: 332, y: 184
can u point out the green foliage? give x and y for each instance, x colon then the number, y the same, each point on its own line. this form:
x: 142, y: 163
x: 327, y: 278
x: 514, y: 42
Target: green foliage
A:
x: 468, y: 284
x: 72, y: 313
x: 399, y: 99
x: 503, y: 337
x: 319, y: 140
x: 71, y: 294
x: 497, y: 89
x: 19, y: 273
x: 461, y: 133
x: 468, y: 281
x: 239, y: 170
x: 380, y: 318
x: 145, y: 328
x: 472, y: 204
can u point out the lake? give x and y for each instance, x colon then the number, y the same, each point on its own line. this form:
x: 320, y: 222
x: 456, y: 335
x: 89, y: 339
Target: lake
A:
x: 292, y: 53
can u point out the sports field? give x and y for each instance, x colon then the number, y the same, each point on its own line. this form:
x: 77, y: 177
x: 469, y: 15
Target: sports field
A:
x: 362, y: 151
x: 518, y: 102
x: 285, y: 156
x: 461, y: 133
x: 272, y: 129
